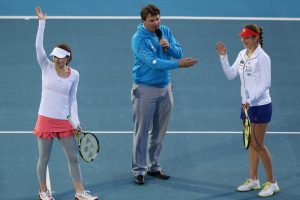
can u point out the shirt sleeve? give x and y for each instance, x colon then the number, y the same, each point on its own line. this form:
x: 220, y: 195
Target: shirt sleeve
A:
x: 147, y: 55
x: 175, y: 49
x: 73, y: 101
x: 40, y: 51
x: 265, y: 76
x: 230, y: 71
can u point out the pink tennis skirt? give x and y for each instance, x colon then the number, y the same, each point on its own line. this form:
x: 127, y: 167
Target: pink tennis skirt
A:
x: 49, y: 128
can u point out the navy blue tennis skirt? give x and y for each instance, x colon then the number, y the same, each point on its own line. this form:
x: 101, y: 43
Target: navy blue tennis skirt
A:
x: 259, y: 114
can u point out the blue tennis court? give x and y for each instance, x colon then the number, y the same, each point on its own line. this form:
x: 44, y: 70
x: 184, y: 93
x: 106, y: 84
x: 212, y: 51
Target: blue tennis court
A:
x: 203, y: 150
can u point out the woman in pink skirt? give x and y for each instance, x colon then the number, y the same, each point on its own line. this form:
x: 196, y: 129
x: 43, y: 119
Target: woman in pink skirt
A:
x: 59, y: 88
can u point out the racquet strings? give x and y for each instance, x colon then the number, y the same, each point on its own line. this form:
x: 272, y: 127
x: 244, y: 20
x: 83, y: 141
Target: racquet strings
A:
x: 89, y: 147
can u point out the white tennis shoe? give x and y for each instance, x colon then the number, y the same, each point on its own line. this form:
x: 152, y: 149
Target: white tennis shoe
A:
x: 84, y: 195
x: 269, y: 189
x: 248, y: 185
x: 45, y: 195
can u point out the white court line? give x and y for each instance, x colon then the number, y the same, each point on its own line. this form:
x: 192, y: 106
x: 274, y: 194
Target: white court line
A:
x: 48, y: 181
x: 163, y: 17
x: 170, y: 132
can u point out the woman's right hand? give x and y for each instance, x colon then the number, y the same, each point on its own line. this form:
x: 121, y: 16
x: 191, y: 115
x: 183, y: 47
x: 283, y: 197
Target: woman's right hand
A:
x: 246, y: 106
x: 40, y: 14
x: 221, y: 49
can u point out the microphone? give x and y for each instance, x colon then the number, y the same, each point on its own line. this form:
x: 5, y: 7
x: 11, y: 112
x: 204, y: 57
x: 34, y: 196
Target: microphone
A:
x: 158, y: 33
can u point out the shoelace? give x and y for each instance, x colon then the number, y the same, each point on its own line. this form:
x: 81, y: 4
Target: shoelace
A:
x: 85, y: 194
x: 48, y: 194
x: 247, y: 182
x: 266, y: 186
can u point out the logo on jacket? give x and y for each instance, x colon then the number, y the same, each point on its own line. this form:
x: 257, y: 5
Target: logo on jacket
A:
x: 151, y: 45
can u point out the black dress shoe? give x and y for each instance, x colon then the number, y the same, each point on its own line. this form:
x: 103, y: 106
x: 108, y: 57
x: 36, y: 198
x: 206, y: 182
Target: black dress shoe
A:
x: 139, y: 179
x: 159, y: 174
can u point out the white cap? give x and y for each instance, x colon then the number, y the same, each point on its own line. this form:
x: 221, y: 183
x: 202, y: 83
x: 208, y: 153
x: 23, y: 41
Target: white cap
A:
x: 60, y: 53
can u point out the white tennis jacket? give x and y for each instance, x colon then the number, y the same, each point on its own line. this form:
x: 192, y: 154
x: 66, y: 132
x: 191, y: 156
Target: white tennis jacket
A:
x: 255, y: 75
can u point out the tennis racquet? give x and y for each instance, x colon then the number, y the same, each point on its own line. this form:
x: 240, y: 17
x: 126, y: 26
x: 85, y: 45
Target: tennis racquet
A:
x: 88, y: 143
x: 246, y: 129
x: 88, y: 146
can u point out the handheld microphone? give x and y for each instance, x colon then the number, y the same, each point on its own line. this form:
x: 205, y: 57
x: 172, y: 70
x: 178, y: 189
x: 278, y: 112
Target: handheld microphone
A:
x: 158, y: 33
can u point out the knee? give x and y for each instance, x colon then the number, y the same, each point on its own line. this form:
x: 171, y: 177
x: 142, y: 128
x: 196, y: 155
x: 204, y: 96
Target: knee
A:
x: 258, y: 147
x: 73, y: 159
x: 44, y: 158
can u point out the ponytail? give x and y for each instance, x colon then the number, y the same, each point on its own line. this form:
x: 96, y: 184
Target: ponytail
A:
x: 261, y: 42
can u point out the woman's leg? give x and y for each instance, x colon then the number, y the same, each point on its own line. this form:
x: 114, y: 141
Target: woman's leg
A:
x: 254, y: 160
x: 69, y: 145
x: 253, y: 157
x: 262, y: 150
x: 45, y: 146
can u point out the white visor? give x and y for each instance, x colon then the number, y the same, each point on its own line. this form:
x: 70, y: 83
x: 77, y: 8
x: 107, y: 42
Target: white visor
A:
x: 60, y: 53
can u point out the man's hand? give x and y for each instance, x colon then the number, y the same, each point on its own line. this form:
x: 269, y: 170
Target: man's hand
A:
x: 164, y: 43
x: 187, y: 62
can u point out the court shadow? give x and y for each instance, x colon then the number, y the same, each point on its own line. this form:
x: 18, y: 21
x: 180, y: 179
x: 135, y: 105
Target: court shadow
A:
x: 191, y: 185
x: 206, y: 190
x: 103, y: 189
x: 210, y: 190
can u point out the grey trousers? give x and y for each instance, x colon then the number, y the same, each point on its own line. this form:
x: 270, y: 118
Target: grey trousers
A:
x: 151, y: 112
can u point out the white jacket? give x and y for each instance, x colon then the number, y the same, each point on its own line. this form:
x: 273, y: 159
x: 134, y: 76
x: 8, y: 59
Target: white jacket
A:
x: 255, y: 75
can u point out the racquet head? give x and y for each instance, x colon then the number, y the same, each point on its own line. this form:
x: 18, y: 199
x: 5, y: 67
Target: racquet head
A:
x: 246, y: 129
x: 88, y: 146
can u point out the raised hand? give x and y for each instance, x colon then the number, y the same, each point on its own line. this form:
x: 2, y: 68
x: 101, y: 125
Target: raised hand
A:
x: 221, y: 49
x: 187, y: 62
x: 40, y: 14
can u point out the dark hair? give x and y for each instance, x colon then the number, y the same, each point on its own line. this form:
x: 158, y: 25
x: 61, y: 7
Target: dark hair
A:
x: 68, y: 49
x: 149, y: 9
x: 257, y: 29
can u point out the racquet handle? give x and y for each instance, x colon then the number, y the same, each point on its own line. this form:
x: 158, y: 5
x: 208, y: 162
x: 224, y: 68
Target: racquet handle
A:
x: 246, y: 112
